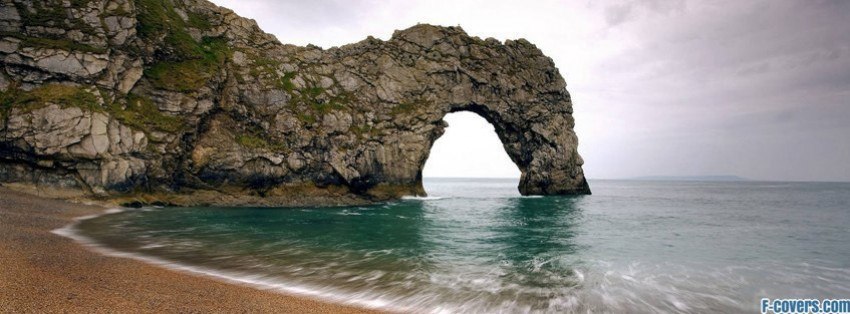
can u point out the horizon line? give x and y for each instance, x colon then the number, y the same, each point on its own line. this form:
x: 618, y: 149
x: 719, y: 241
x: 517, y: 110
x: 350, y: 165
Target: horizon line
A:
x: 660, y: 178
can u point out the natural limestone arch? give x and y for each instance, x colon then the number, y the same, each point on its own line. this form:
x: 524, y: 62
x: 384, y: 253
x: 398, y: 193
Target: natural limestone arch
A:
x: 162, y: 107
x: 513, y: 86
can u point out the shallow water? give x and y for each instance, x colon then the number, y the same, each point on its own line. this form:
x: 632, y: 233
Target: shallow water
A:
x: 475, y: 245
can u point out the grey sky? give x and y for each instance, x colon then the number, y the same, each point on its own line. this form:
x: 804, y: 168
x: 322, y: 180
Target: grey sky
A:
x: 759, y: 89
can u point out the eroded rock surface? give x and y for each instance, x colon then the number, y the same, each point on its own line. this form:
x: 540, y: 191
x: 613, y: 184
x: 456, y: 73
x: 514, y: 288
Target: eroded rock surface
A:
x: 161, y: 100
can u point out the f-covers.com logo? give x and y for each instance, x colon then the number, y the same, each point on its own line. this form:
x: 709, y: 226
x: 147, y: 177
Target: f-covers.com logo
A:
x: 798, y: 306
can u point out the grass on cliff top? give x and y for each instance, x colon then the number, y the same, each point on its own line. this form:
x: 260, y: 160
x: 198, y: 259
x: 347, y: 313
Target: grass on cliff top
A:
x: 186, y: 64
x: 158, y: 19
x: 198, y: 21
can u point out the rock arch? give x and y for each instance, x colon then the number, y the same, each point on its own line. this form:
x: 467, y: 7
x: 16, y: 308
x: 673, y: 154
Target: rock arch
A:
x: 512, y: 85
x: 222, y: 113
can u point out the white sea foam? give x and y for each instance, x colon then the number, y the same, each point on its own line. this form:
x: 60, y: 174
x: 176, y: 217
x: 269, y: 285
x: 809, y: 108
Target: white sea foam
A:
x: 151, y: 246
x: 113, y: 211
x: 348, y: 213
x: 422, y: 198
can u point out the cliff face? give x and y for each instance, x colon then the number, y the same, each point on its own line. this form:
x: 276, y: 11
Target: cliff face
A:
x: 185, y: 102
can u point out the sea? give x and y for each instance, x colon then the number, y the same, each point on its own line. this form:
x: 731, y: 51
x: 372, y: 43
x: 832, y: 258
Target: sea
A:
x: 478, y: 246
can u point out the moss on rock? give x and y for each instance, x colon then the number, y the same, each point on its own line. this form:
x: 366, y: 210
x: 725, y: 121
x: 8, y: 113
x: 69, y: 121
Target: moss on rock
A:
x: 190, y: 75
x: 141, y: 113
x: 62, y: 95
x: 257, y: 142
x: 62, y: 44
x: 159, y: 20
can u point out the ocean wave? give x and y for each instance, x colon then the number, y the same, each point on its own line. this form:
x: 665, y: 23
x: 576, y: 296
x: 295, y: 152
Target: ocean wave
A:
x: 361, y: 299
x: 423, y: 198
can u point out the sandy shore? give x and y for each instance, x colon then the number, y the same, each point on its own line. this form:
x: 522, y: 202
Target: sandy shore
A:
x: 43, y: 272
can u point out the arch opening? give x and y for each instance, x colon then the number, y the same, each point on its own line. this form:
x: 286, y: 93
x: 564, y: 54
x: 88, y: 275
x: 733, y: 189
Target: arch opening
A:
x: 469, y: 150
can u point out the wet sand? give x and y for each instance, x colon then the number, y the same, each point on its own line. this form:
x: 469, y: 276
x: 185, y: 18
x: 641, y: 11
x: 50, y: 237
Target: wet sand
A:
x: 44, y: 272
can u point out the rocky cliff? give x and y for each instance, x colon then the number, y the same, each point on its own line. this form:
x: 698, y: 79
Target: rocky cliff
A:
x: 185, y: 102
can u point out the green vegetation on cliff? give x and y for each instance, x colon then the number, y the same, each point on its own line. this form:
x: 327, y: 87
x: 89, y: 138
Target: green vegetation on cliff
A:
x: 53, y: 14
x: 257, y: 142
x: 53, y: 43
x: 62, y: 44
x: 142, y: 114
x: 186, y: 64
x: 62, y: 95
x: 158, y: 19
x: 286, y: 82
x: 407, y: 107
x: 403, y: 108
x: 364, y: 131
x: 256, y: 138
x: 314, y: 101
x: 198, y: 21
x: 189, y: 75
x: 134, y: 111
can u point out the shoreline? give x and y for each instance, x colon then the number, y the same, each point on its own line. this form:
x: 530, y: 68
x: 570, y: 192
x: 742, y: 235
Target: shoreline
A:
x: 71, y: 231
x: 45, y: 270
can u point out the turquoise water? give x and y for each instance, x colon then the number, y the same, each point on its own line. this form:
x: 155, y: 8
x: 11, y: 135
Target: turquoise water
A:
x: 477, y: 246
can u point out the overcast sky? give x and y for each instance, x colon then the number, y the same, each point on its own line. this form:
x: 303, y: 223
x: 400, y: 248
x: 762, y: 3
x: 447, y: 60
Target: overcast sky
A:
x: 759, y: 89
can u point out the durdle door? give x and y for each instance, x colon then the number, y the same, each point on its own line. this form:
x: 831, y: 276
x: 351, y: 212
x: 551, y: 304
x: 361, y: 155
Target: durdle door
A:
x: 185, y: 102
